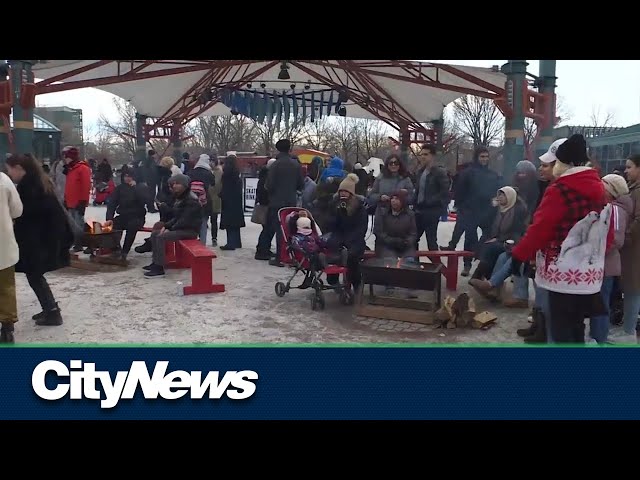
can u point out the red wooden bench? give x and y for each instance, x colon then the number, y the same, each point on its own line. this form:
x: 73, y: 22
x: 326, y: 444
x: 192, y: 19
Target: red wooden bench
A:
x: 449, y: 270
x: 146, y: 229
x: 192, y: 254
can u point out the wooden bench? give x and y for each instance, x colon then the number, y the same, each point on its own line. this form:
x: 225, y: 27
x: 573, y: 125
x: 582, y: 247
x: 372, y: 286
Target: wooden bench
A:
x: 192, y: 254
x: 449, y: 270
x: 146, y: 229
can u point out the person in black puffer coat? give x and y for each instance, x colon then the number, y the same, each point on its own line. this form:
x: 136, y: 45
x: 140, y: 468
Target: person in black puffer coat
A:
x: 184, y: 224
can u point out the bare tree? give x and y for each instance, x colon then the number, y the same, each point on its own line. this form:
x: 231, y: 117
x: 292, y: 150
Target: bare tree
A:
x: 268, y: 132
x: 343, y: 139
x: 601, y: 119
x: 479, y: 119
x: 318, y: 134
x: 371, y: 137
x: 224, y: 133
x: 122, y: 128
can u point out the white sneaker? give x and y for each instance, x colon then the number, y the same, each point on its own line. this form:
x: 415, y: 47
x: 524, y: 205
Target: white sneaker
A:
x: 623, y: 338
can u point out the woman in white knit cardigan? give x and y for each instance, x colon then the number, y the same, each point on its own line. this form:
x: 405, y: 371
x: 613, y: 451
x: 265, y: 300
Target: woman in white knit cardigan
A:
x: 10, y: 209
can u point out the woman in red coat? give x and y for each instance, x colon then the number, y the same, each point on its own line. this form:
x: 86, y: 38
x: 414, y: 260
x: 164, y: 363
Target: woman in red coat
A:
x: 569, y: 261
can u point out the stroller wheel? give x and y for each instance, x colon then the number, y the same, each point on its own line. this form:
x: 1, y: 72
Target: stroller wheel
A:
x: 281, y: 289
x: 317, y: 301
x: 346, y: 297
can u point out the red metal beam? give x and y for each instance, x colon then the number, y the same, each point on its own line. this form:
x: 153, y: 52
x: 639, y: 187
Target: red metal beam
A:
x: 186, y: 113
x: 354, y: 94
x: 470, y: 78
x: 131, y: 76
x: 420, y: 81
x: 73, y: 73
x: 366, y: 79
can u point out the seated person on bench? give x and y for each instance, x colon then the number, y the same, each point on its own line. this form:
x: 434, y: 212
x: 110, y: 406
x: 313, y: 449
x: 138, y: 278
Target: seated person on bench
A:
x: 312, y: 247
x: 184, y: 224
x: 347, y: 223
x: 395, y: 228
x: 128, y: 200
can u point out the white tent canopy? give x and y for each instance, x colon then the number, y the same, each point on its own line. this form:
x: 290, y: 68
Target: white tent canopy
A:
x: 413, y: 90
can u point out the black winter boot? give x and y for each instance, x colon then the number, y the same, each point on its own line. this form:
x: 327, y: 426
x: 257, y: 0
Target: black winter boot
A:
x: 540, y: 334
x: 145, y: 247
x: 527, y: 332
x: 482, y: 271
x: 51, y: 319
x: 6, y: 333
x: 40, y: 315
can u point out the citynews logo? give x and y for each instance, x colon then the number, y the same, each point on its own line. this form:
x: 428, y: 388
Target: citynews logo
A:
x: 83, y: 381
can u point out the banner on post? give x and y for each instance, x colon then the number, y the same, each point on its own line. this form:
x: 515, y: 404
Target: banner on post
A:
x: 250, y: 187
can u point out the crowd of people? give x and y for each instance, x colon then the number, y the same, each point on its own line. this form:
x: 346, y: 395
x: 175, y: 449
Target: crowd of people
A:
x: 575, y: 234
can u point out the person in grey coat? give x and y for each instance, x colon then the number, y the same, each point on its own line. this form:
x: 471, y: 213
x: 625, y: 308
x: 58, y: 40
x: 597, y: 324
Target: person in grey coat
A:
x: 394, y: 178
x: 59, y: 178
x: 284, y: 180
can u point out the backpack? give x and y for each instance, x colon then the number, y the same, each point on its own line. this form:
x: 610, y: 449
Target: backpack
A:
x: 200, y: 192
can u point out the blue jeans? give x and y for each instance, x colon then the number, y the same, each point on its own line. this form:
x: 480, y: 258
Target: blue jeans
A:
x: 542, y: 303
x: 631, y: 310
x: 599, y: 325
x: 502, y: 271
x: 203, y: 231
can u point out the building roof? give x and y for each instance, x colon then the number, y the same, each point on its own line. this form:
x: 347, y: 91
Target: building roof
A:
x: 379, y: 89
x: 40, y: 124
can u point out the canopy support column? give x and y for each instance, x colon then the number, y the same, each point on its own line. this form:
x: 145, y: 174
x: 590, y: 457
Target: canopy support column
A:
x: 405, y: 144
x: 514, y: 149
x: 438, y: 127
x: 21, y: 73
x: 141, y: 138
x: 176, y: 141
x: 547, y: 86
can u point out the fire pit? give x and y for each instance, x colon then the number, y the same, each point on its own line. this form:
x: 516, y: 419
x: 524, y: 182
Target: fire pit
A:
x: 402, y: 273
x: 100, y: 238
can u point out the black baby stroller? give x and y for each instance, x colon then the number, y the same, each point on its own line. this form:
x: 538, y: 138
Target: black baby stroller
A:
x: 303, y: 263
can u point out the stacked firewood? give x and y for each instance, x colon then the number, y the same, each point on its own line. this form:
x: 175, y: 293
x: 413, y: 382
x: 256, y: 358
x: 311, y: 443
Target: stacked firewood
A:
x: 461, y: 312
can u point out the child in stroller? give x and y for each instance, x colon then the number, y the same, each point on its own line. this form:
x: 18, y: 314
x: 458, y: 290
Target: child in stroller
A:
x: 316, y: 250
x: 310, y: 253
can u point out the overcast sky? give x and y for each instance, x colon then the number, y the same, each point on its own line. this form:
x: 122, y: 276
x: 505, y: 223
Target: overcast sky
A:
x: 584, y: 86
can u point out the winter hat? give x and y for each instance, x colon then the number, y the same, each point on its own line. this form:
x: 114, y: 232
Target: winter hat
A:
x: 512, y: 197
x: 615, y: 185
x: 203, y: 162
x: 283, y: 145
x: 357, y: 166
x: 181, y: 179
x: 71, y: 152
x: 303, y: 224
x: 550, y: 156
x: 573, y: 152
x: 525, y: 166
x: 167, y: 162
x: 271, y: 162
x: 349, y: 183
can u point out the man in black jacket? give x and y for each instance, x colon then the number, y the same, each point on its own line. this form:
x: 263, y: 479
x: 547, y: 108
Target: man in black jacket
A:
x: 432, y: 196
x: 284, y: 181
x: 128, y: 200
x: 184, y: 224
x: 475, y: 190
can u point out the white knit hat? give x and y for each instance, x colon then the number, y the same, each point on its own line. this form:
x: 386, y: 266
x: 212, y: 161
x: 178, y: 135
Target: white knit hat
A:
x: 615, y: 185
x: 303, y: 225
x: 271, y: 162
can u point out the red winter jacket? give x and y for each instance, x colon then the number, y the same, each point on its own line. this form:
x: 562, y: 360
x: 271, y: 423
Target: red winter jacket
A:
x: 78, y: 185
x: 566, y: 201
